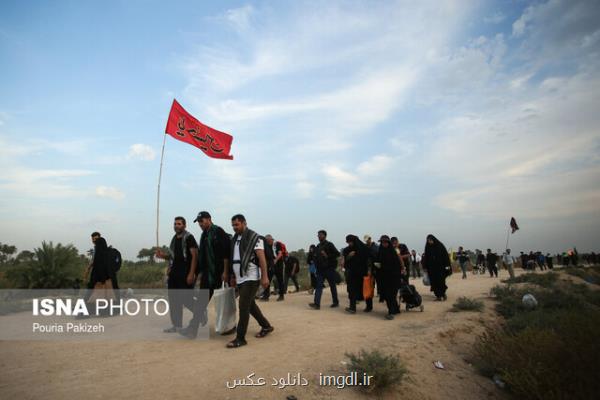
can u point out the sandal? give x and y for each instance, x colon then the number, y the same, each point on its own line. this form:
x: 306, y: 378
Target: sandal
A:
x: 264, y: 332
x: 236, y: 343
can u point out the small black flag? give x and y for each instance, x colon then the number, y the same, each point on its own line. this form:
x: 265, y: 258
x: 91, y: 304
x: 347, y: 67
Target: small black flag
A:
x: 513, y: 225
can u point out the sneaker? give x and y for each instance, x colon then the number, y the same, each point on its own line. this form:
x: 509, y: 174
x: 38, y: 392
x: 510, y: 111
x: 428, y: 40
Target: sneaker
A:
x: 350, y: 310
x: 189, y: 332
x: 334, y: 305
x: 314, y: 306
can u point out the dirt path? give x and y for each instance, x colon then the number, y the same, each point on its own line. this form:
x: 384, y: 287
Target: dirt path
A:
x: 305, y: 341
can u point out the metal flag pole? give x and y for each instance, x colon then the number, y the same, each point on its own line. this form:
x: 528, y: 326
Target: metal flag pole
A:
x: 507, y: 237
x: 162, y: 155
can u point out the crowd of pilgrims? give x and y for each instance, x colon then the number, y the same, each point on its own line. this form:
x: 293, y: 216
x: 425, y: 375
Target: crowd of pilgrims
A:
x: 389, y: 263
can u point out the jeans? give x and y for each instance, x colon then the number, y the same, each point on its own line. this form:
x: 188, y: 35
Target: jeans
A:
x: 463, y: 267
x: 329, y: 275
x: 248, y: 306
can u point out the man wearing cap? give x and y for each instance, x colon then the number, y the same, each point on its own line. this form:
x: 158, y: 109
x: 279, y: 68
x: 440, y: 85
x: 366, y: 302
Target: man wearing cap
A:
x: 213, y: 261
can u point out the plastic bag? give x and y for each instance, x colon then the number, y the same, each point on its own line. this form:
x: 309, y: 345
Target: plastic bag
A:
x: 225, y: 308
x: 426, y: 281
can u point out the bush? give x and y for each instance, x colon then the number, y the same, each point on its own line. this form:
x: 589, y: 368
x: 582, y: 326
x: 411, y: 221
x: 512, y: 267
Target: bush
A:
x: 590, y: 275
x: 141, y: 275
x: 543, y: 280
x: 546, y: 361
x: 549, y: 352
x: 387, y: 370
x: 467, y: 304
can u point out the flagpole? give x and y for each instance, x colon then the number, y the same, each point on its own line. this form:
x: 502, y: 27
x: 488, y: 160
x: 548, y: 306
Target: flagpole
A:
x: 162, y: 155
x: 507, y: 237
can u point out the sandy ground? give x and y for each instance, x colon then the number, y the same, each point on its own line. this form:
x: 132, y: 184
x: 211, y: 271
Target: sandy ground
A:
x: 305, y: 341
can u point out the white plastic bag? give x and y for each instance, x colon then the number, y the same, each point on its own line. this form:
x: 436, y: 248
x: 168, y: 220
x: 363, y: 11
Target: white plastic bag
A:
x: 225, y: 308
x: 426, y: 281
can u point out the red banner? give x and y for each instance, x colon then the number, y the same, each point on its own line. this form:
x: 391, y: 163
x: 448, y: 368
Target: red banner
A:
x: 183, y: 126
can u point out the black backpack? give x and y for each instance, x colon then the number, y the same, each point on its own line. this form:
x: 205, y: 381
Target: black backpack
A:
x: 115, y: 259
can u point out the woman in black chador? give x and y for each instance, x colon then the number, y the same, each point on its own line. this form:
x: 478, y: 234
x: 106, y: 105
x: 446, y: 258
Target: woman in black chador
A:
x: 356, y: 256
x: 101, y: 268
x: 391, y: 273
x: 437, y: 264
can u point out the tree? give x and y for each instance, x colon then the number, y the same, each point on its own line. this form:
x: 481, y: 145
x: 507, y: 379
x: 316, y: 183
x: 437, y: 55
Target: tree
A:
x: 25, y: 256
x: 52, y: 267
x: 147, y: 254
x: 6, y: 251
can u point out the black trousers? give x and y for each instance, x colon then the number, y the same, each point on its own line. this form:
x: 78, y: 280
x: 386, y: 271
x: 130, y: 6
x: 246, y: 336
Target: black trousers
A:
x: 390, y: 294
x: 294, y: 279
x: 493, y: 269
x: 180, y: 295
x: 248, y: 306
x: 281, y: 285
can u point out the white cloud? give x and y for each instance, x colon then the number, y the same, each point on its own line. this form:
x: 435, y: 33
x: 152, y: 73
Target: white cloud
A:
x: 141, y: 152
x: 240, y: 17
x: 109, y: 192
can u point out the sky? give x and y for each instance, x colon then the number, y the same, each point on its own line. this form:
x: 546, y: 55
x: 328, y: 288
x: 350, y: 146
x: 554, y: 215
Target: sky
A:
x: 365, y: 117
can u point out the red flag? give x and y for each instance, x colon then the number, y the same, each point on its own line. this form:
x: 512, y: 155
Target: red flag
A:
x: 183, y: 126
x: 513, y: 225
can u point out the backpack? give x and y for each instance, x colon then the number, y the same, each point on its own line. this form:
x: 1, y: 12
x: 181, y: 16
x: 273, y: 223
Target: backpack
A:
x: 115, y: 259
x: 283, y: 250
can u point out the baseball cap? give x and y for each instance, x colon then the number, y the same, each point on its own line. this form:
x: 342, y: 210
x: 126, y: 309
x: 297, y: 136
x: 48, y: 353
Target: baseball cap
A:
x: 202, y: 214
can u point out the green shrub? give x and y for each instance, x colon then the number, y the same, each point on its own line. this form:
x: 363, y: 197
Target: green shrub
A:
x: 544, y: 280
x: 467, y: 304
x: 546, y: 361
x: 549, y: 352
x: 141, y: 276
x: 387, y: 370
x: 590, y: 275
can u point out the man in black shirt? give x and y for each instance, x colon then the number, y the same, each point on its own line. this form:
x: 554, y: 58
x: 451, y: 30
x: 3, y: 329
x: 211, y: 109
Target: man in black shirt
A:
x: 491, y: 259
x: 181, y: 274
x: 326, y: 262
x: 213, y: 260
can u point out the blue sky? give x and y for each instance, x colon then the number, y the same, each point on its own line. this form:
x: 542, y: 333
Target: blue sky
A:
x: 404, y: 118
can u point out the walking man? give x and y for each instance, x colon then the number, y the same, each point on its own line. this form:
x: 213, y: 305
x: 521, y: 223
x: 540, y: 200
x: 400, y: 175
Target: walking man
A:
x: 213, y: 261
x: 250, y: 270
x: 181, y: 273
x: 326, y: 262
x: 509, y: 261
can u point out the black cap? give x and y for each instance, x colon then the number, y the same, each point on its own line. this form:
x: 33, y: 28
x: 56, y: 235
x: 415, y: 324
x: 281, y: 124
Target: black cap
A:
x: 384, y: 238
x: 202, y: 214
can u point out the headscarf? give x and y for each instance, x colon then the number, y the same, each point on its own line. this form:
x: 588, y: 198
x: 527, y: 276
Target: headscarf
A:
x: 387, y: 256
x: 358, y: 263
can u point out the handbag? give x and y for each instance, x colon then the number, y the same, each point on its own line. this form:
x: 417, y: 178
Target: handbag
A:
x: 225, y: 308
x: 368, y: 287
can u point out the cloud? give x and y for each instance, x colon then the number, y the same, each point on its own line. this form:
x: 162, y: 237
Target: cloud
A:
x: 42, y: 183
x: 495, y: 18
x: 370, y: 177
x: 141, y: 152
x: 109, y: 192
x: 240, y: 17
